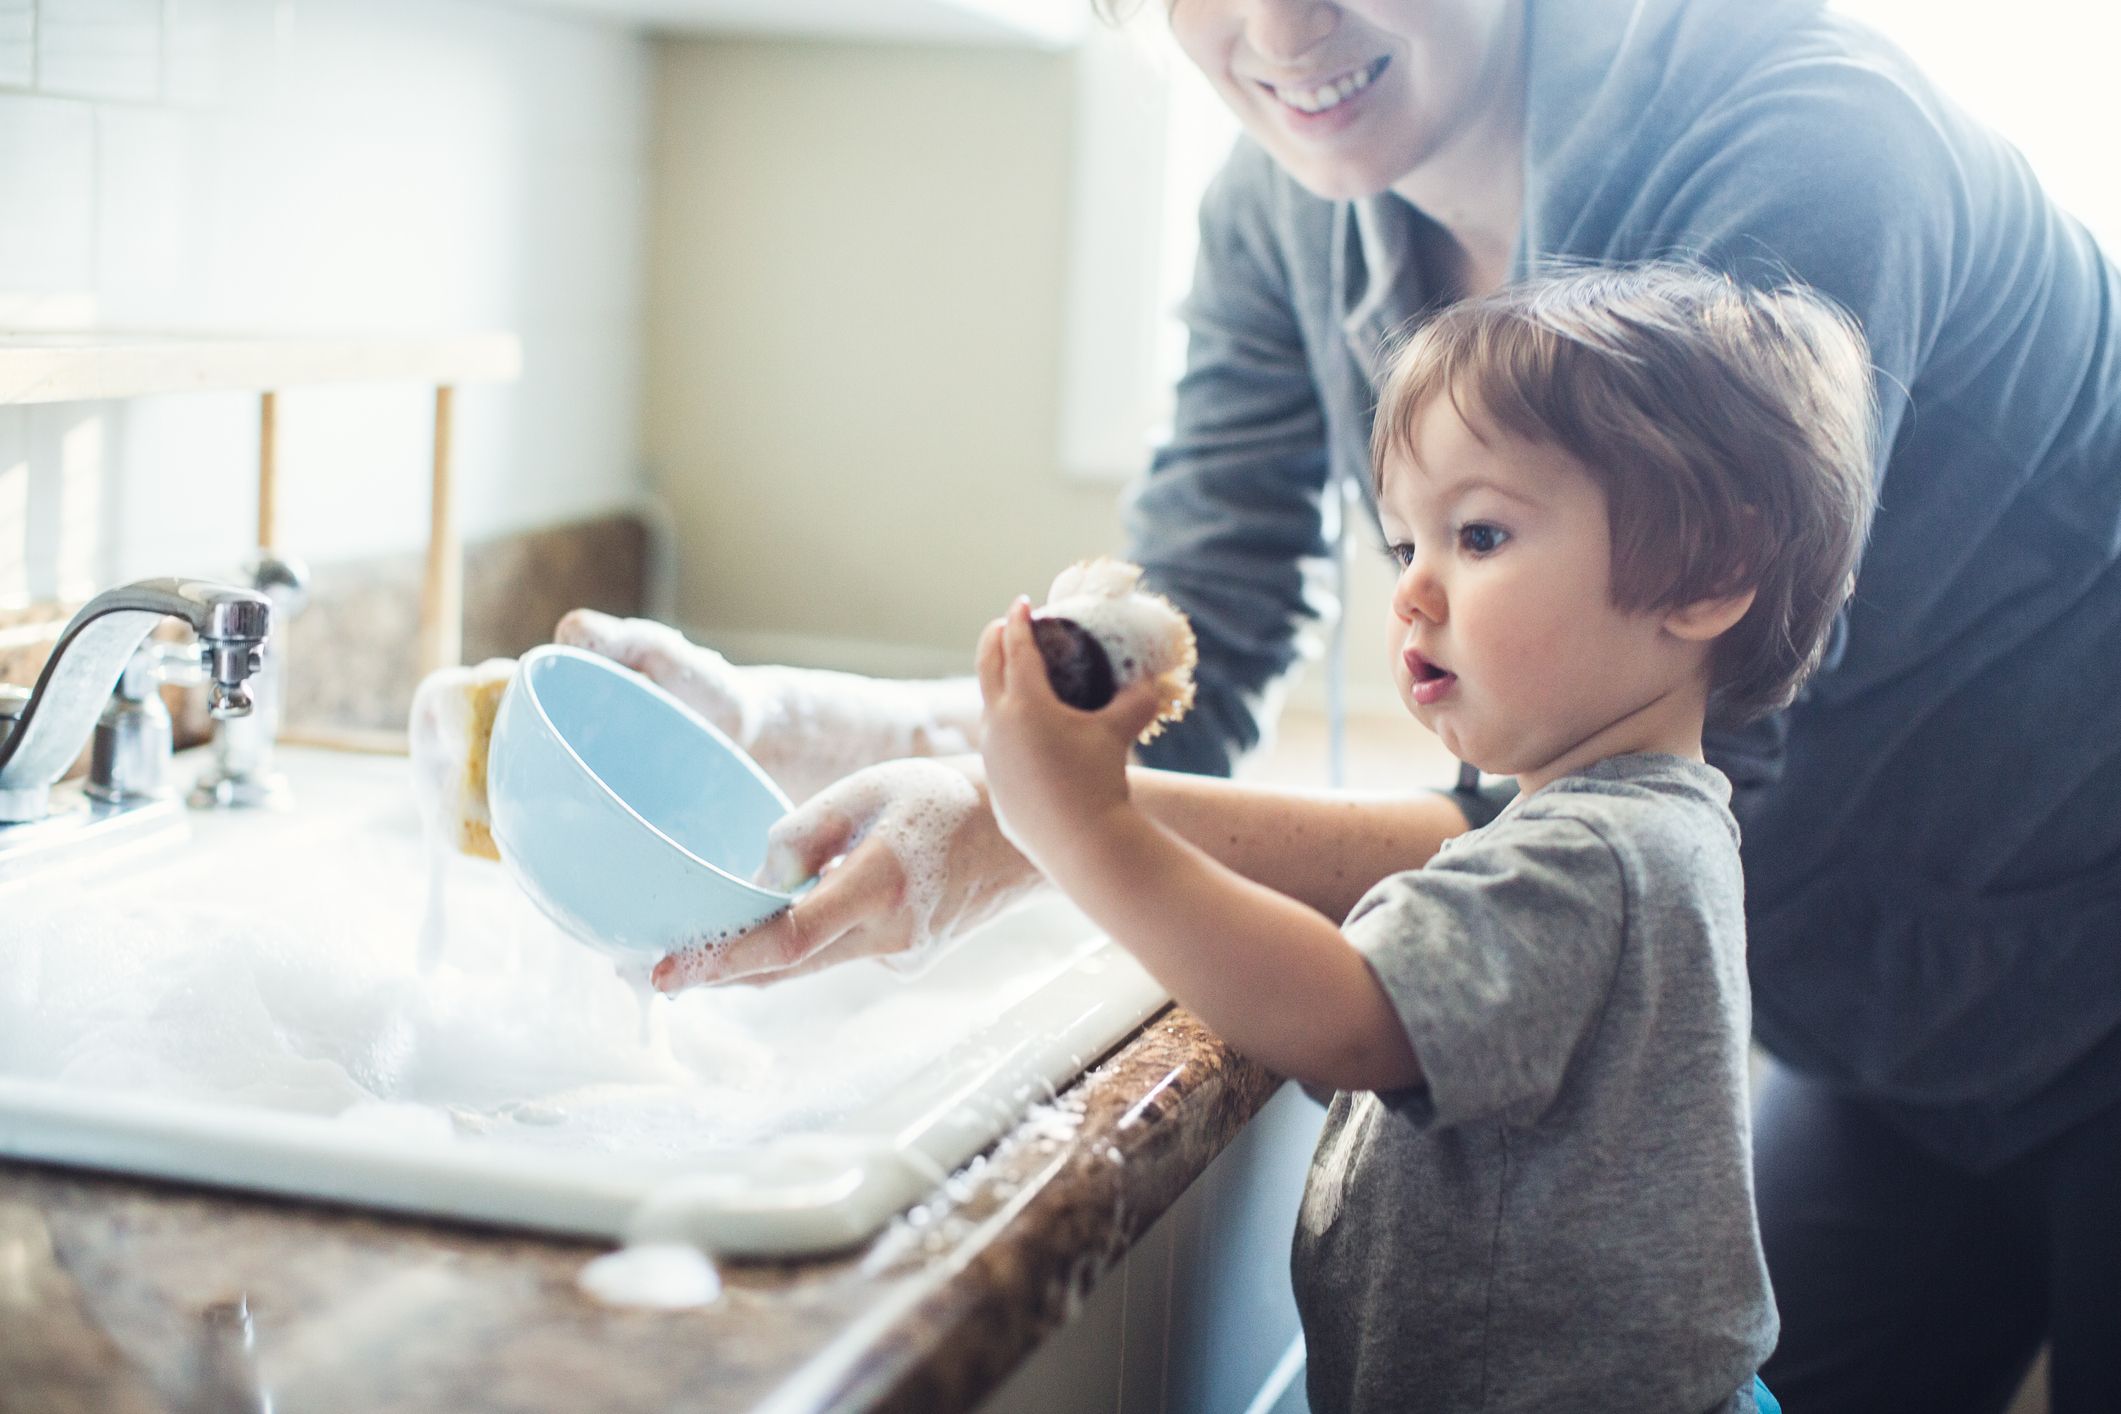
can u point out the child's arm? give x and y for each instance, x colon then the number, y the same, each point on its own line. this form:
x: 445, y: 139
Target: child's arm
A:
x: 1268, y: 974
x: 1325, y: 849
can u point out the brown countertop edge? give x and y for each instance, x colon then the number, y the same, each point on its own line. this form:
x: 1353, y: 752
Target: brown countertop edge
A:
x: 1153, y: 1117
x: 359, y: 1310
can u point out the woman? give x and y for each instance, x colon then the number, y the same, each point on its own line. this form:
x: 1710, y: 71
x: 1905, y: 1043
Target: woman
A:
x: 1932, y: 840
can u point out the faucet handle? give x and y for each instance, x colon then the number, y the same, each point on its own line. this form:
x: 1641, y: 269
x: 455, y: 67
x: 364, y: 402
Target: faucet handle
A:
x: 129, y: 759
x: 154, y: 664
x: 280, y: 578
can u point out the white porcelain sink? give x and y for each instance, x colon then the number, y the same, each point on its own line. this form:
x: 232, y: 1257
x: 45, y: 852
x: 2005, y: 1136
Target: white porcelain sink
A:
x: 251, y: 1007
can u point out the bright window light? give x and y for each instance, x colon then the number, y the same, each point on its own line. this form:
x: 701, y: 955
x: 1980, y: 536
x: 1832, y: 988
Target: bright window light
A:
x: 2040, y: 73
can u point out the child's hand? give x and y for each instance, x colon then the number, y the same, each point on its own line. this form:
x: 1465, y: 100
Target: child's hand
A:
x: 1050, y: 767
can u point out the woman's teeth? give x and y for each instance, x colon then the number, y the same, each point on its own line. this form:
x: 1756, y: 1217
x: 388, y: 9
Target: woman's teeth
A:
x: 1332, y: 95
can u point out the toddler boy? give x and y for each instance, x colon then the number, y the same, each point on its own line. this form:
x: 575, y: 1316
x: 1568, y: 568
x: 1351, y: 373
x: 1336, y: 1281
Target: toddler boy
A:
x: 1624, y: 502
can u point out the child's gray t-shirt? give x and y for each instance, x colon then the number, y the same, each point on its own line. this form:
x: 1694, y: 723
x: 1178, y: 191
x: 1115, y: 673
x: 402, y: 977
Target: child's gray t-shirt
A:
x: 1561, y: 1215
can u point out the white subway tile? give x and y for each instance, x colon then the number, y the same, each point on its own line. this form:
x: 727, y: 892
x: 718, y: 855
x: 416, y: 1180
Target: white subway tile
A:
x: 153, y: 188
x: 100, y: 48
x: 14, y: 506
x: 66, y: 470
x: 47, y: 219
x: 218, y: 52
x: 183, y: 486
x: 407, y: 164
x: 580, y: 240
x: 18, y: 43
x: 355, y: 468
x: 562, y: 442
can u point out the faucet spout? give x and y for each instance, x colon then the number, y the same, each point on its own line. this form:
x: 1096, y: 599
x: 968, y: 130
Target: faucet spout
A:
x: 231, y: 625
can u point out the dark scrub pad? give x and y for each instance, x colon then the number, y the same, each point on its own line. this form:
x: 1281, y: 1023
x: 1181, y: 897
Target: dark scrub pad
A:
x: 1076, y: 663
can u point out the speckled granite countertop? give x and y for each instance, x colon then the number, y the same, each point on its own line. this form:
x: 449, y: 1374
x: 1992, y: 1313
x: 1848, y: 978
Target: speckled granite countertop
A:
x: 117, y: 1295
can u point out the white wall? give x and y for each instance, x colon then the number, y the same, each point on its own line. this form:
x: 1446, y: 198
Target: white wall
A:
x: 316, y: 165
x: 858, y: 262
x: 859, y: 266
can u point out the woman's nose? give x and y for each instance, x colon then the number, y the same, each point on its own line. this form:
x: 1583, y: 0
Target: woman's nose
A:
x: 1285, y: 31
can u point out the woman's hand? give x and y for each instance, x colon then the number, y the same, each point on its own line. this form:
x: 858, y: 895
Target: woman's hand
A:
x: 699, y: 677
x: 1050, y: 767
x: 907, y: 858
x: 804, y: 726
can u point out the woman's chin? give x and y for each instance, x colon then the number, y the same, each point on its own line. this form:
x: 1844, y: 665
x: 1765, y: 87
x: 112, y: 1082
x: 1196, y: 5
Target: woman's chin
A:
x: 1338, y: 181
x: 1330, y: 173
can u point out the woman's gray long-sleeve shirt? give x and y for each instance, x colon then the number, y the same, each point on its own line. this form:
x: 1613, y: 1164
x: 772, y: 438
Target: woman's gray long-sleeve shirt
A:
x: 1933, y: 833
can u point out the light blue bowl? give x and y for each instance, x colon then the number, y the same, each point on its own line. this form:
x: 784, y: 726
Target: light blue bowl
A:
x: 624, y: 814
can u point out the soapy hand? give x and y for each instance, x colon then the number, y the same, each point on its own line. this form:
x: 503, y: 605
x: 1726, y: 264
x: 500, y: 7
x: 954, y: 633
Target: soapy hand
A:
x: 907, y: 858
x: 805, y: 727
x: 1050, y: 766
x: 699, y: 677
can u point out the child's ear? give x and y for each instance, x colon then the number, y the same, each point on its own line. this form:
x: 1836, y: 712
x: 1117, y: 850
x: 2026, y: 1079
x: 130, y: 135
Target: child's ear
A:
x: 1705, y: 620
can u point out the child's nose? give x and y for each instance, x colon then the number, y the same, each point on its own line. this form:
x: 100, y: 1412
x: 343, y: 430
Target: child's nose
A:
x: 1418, y: 593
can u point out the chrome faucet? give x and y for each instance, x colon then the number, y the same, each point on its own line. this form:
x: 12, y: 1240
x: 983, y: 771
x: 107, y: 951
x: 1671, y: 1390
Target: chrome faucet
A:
x: 241, y: 772
x: 94, y: 652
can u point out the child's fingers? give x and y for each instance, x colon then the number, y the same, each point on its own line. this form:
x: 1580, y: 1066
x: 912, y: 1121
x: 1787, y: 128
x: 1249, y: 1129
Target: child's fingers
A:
x: 1027, y: 666
x: 989, y: 662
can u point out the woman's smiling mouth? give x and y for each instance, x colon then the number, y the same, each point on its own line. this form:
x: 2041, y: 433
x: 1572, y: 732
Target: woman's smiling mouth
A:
x: 1314, y: 99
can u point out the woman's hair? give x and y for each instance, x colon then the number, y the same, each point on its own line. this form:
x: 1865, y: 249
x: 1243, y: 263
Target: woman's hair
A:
x: 1731, y: 429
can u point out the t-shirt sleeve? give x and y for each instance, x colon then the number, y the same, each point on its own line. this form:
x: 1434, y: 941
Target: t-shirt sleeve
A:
x: 1498, y: 959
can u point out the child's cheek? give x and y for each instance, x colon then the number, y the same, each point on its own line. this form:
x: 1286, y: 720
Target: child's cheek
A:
x: 1526, y: 656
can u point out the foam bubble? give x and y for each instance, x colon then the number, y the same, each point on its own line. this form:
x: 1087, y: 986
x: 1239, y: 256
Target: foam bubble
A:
x: 660, y: 1276
x: 914, y: 809
x: 306, y: 990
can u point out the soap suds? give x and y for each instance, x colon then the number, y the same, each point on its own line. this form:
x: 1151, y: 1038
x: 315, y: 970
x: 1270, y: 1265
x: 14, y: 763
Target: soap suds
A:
x: 657, y: 1276
x: 449, y: 731
x: 296, y: 982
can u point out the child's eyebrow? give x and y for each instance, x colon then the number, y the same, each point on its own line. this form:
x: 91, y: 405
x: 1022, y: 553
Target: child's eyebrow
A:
x: 1465, y: 486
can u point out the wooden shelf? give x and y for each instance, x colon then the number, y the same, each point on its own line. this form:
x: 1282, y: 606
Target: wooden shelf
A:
x: 64, y: 367
x: 1038, y: 24
x: 98, y: 364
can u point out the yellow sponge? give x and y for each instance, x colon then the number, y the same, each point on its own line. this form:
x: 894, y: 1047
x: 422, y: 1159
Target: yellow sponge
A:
x: 451, y: 731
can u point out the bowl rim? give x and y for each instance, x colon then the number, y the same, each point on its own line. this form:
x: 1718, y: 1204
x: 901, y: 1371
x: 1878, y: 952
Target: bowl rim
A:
x: 567, y: 651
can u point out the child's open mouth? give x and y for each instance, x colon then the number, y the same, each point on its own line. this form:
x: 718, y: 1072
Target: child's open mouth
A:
x: 1431, y: 681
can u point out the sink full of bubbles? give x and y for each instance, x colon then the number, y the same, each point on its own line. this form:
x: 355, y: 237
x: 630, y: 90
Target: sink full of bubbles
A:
x: 314, y: 1004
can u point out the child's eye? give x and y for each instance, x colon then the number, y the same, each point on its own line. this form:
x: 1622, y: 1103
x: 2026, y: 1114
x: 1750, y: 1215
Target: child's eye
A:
x: 1401, y: 552
x: 1480, y: 538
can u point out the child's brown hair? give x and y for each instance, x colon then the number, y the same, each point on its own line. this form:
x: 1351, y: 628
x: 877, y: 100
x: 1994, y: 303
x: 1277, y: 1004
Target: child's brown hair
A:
x: 1730, y: 427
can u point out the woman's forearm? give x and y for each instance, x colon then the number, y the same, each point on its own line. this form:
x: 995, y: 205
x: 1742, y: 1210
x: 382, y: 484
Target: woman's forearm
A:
x: 1325, y: 850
